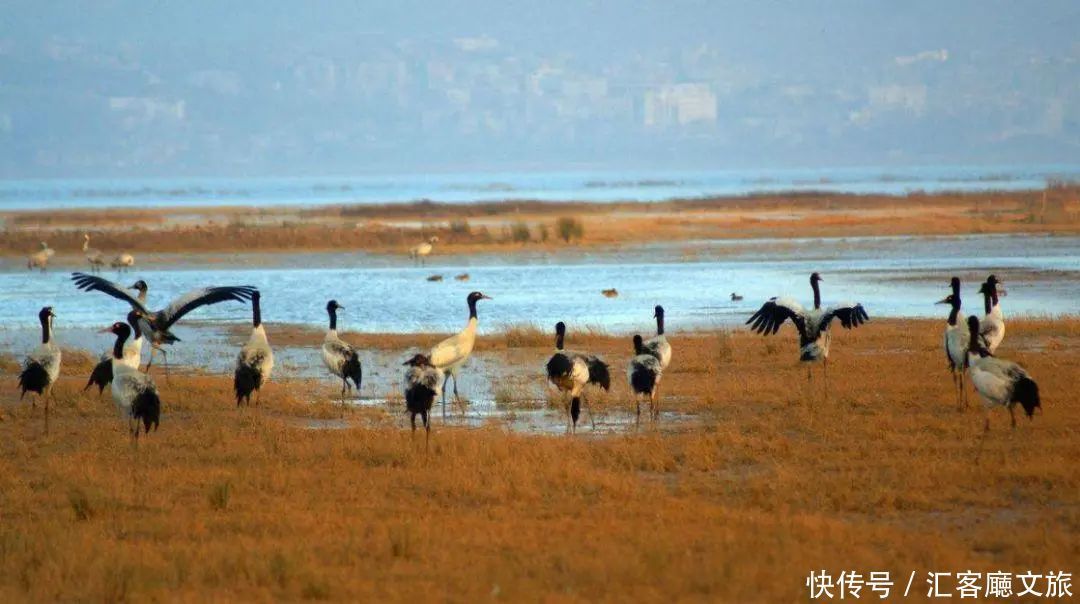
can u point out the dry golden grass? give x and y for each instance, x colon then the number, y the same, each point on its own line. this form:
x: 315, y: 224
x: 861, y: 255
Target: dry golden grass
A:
x: 770, y: 482
x: 490, y: 227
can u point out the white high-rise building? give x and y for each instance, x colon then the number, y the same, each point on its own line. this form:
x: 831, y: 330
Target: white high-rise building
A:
x: 679, y: 104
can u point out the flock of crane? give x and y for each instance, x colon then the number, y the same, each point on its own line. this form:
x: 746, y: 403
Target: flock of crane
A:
x: 969, y: 347
x: 95, y: 257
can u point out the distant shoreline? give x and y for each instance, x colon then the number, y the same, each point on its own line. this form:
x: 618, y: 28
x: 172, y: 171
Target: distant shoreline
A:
x: 587, y: 186
x: 511, y: 227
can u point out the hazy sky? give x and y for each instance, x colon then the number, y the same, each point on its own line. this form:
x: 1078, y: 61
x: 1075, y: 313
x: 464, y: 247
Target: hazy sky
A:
x: 144, y: 88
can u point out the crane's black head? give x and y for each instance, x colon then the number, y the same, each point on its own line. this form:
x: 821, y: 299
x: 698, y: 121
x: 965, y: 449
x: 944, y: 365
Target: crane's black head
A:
x: 119, y: 329
x: 133, y: 318
x: 474, y: 296
x: 993, y: 280
x: 46, y: 313
x: 954, y: 283
x: 658, y: 312
x: 973, y: 326
x: 419, y: 360
x: 946, y: 300
x: 637, y: 343
x: 560, y: 328
x: 814, y: 278
x: 139, y: 286
x: 332, y: 306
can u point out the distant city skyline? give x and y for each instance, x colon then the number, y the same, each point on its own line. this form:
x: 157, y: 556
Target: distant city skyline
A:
x: 133, y: 89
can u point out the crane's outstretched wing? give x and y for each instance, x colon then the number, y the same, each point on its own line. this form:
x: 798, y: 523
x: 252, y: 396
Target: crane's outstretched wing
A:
x: 772, y: 314
x: 850, y: 315
x: 88, y: 283
x: 201, y: 297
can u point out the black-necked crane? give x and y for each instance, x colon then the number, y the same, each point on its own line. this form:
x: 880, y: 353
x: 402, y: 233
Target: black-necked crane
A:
x: 123, y: 262
x: 1000, y: 383
x: 813, y: 324
x: 421, y: 251
x: 658, y: 346
x: 40, y: 259
x: 93, y: 256
x: 956, y: 342
x: 570, y: 372
x: 155, y: 325
x: 339, y: 356
x: 102, y: 374
x: 736, y: 297
x: 41, y: 368
x: 422, y: 384
x: 133, y: 391
x: 450, y: 354
x: 643, y: 373
x: 256, y: 360
x: 993, y: 322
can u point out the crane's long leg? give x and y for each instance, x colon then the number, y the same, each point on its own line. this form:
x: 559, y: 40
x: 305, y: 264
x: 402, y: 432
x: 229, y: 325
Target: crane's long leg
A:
x: 654, y: 402
x: 446, y: 380
x: 165, y: 362
x: 427, y: 430
x: 48, y: 395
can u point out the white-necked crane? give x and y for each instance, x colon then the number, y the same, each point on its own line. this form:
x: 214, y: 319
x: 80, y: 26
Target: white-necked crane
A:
x: 40, y: 259
x: 155, y: 325
x: 658, y: 346
x: 956, y: 342
x: 570, y: 372
x: 133, y: 391
x: 422, y: 384
x: 93, y: 256
x: 643, y: 373
x: 339, y: 356
x: 256, y: 360
x: 993, y: 323
x: 102, y: 374
x: 813, y: 324
x: 421, y: 251
x: 1000, y: 383
x: 450, y: 354
x: 41, y: 368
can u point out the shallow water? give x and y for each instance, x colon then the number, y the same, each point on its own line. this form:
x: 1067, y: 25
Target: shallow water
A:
x: 640, y: 185
x: 891, y: 276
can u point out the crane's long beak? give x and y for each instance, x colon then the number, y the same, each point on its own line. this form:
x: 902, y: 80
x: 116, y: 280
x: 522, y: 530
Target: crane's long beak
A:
x: 106, y: 330
x: 484, y: 297
x: 944, y: 300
